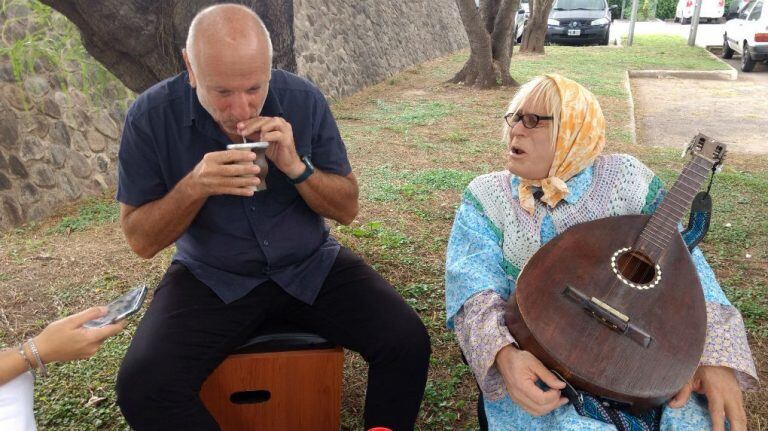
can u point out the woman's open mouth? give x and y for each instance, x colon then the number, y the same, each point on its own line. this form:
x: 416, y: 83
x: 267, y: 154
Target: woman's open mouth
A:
x: 516, y: 152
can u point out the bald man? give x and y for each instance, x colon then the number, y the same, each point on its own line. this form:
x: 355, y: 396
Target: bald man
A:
x: 246, y: 258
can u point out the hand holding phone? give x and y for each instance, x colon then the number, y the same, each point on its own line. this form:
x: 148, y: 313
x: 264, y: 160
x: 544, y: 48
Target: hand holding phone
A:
x: 120, y: 308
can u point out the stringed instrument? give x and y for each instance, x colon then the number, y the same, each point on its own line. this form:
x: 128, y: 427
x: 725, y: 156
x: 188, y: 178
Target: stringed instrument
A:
x: 615, y: 305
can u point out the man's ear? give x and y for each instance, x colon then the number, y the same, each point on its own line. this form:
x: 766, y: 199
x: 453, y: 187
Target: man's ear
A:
x: 192, y: 79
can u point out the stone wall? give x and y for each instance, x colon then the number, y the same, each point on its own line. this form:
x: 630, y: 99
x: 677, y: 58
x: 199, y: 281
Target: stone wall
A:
x: 344, y: 45
x: 60, y: 117
x: 55, y: 147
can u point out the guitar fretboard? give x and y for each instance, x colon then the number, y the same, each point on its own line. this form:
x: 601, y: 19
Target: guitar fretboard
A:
x: 663, y: 225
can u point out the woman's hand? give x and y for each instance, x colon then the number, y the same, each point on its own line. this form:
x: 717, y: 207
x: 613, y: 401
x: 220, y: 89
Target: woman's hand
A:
x: 521, y: 370
x: 722, y: 390
x: 66, y: 339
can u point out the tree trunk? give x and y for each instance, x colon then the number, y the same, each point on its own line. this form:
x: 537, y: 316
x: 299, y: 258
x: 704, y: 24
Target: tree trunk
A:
x: 535, y: 31
x: 140, y: 41
x: 503, y: 40
x: 490, y: 51
x: 488, y: 9
x: 478, y: 70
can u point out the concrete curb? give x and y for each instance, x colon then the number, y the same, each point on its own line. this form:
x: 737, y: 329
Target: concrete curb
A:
x: 631, y: 103
x: 719, y: 49
x: 725, y: 75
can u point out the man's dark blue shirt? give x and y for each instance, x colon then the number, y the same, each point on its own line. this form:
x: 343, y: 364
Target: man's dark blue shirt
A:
x: 236, y: 243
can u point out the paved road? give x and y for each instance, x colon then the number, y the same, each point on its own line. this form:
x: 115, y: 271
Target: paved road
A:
x: 670, y: 111
x: 759, y: 75
x: 706, y: 34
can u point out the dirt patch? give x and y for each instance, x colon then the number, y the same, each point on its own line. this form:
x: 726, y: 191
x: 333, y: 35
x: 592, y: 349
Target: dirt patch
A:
x: 48, y: 275
x: 669, y: 111
x: 756, y: 403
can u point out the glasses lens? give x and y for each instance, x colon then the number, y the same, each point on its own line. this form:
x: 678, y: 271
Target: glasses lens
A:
x: 530, y: 120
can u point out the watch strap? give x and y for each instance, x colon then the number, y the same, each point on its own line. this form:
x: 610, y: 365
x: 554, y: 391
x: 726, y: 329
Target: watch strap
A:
x: 308, y: 170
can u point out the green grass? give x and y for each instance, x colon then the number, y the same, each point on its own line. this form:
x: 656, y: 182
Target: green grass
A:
x: 94, y: 211
x: 600, y: 69
x: 66, y: 392
x: 402, y: 116
x: 384, y: 184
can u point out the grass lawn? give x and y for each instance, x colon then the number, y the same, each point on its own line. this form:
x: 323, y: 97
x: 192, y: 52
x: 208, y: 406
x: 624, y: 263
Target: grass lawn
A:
x: 414, y: 142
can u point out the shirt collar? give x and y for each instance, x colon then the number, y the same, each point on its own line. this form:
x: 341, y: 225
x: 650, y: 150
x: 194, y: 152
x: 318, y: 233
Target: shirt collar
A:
x: 577, y: 185
x: 272, y: 106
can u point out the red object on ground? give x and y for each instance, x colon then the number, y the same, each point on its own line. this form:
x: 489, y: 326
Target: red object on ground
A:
x: 379, y: 429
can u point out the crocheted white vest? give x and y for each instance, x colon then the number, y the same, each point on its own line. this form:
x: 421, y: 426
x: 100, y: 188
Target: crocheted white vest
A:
x: 620, y: 186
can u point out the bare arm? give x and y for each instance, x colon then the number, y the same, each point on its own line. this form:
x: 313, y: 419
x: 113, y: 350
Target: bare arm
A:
x: 330, y: 195
x: 11, y: 365
x: 60, y: 341
x: 155, y: 225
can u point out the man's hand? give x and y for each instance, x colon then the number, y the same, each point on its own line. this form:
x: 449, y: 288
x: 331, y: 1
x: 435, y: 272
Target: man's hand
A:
x: 221, y: 173
x: 282, y: 148
x: 722, y: 390
x: 521, y: 370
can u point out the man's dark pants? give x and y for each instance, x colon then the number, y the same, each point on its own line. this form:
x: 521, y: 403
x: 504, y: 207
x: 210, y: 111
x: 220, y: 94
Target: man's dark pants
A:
x: 187, y: 331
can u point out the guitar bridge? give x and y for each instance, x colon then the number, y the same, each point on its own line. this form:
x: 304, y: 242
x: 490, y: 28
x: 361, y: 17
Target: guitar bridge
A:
x: 608, y: 316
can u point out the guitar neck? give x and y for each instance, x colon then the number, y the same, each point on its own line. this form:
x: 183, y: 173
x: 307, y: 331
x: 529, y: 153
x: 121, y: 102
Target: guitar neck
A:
x: 662, y: 226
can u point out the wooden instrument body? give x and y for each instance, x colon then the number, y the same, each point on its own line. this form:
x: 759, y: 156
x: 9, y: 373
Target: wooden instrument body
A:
x: 589, y: 354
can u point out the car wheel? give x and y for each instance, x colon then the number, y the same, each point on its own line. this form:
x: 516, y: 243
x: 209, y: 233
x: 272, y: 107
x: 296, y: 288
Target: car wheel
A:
x: 727, y: 51
x: 607, y: 39
x: 747, y: 63
x: 677, y: 19
x: 685, y: 21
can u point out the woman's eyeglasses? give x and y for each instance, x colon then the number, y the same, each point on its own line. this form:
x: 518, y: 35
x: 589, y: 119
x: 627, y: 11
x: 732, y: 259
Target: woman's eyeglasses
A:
x: 529, y: 120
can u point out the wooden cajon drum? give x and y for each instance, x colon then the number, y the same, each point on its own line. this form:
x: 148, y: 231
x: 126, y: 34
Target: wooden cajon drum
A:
x: 280, y: 380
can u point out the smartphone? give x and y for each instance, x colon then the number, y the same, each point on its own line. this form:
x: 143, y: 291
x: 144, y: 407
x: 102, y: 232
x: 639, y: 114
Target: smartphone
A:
x: 120, y: 308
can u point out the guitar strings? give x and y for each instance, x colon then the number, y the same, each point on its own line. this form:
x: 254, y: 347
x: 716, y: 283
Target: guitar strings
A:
x: 653, y: 233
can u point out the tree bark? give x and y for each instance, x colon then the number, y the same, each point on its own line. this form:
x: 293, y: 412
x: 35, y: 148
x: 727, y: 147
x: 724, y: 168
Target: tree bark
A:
x: 488, y: 9
x: 503, y: 39
x: 490, y: 50
x: 140, y: 41
x: 535, y: 31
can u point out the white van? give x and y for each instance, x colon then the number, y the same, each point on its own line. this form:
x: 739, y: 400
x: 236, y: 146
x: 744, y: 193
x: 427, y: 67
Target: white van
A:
x: 711, y: 10
x: 747, y: 35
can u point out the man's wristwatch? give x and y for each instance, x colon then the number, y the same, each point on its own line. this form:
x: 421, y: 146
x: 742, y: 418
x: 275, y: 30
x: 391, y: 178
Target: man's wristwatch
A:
x: 309, y: 170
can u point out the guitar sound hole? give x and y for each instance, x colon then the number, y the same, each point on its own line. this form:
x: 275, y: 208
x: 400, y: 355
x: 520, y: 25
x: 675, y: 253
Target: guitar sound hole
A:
x: 636, y: 267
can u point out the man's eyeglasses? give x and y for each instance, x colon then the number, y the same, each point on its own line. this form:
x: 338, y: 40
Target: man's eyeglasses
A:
x: 529, y: 120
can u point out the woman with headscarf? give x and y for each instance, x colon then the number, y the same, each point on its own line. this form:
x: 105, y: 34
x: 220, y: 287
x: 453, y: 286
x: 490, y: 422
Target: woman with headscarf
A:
x: 555, y: 178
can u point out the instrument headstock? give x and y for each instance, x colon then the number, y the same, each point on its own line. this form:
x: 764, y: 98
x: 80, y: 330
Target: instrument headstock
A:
x: 708, y: 148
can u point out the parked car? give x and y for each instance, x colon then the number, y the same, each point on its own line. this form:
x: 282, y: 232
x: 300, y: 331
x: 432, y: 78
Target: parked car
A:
x: 520, y: 19
x: 711, y: 10
x: 747, y: 35
x: 523, y: 13
x: 734, y: 7
x: 579, y: 22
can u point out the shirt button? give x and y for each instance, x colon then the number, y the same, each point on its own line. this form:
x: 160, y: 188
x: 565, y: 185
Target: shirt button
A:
x: 253, y: 208
x: 265, y: 242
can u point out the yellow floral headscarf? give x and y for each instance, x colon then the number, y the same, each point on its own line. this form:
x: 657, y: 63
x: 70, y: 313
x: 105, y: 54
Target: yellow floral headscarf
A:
x: 580, y: 139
